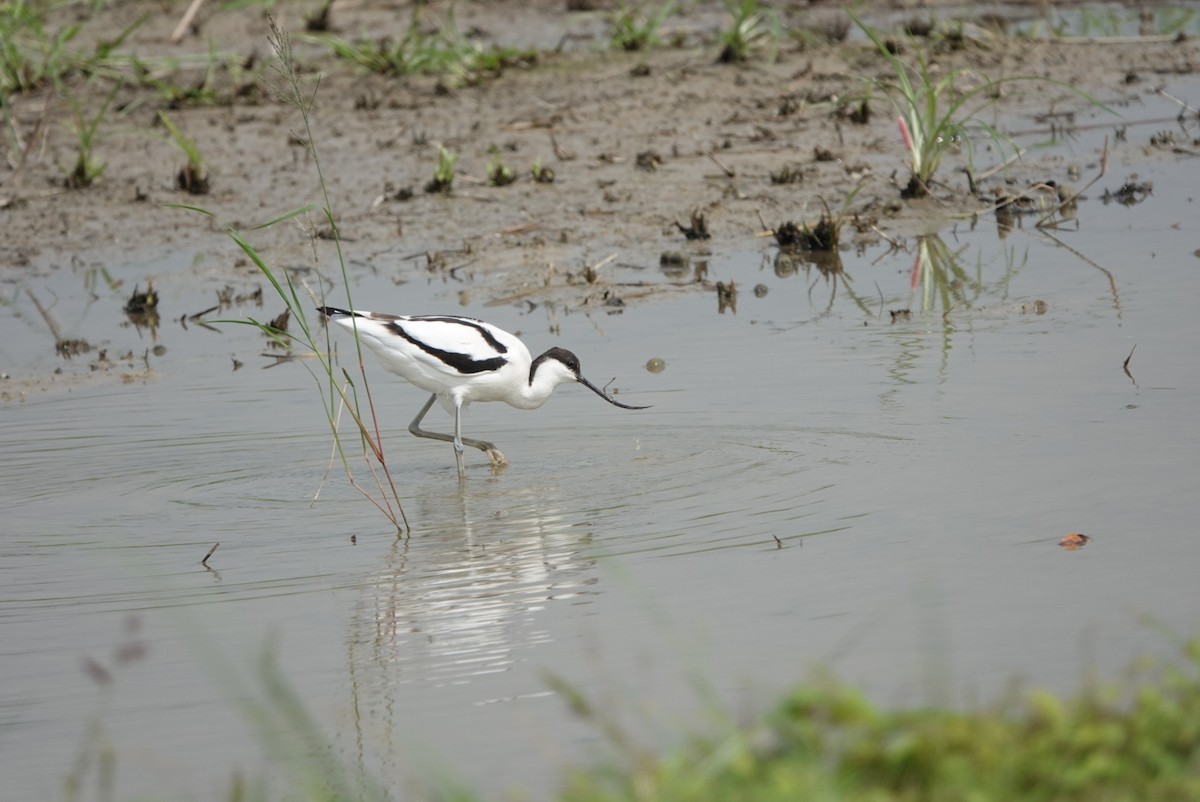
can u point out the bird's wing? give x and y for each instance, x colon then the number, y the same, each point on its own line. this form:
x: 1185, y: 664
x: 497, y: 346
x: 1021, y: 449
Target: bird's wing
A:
x: 471, y: 338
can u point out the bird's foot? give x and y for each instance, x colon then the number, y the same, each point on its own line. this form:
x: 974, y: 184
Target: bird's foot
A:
x: 498, y: 459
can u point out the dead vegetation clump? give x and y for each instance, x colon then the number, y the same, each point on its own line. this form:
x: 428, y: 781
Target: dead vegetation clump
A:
x: 823, y: 236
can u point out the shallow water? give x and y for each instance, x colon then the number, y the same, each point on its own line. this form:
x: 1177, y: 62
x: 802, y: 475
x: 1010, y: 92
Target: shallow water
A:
x: 815, y: 484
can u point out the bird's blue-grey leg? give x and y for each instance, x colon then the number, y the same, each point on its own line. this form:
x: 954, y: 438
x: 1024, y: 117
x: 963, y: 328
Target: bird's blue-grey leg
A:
x: 458, y: 444
x: 498, y: 459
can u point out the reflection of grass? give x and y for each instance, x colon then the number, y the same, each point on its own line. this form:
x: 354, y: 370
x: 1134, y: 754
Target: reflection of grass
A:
x: 940, y: 279
x: 828, y: 265
x: 938, y: 275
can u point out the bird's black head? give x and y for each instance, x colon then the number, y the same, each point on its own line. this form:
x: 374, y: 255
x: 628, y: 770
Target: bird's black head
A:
x: 562, y: 355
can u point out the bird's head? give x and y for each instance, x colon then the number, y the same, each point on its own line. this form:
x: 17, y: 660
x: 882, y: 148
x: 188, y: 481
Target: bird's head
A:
x: 562, y: 366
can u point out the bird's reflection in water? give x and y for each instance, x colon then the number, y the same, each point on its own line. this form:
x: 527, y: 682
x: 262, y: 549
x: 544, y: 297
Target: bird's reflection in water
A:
x: 462, y: 600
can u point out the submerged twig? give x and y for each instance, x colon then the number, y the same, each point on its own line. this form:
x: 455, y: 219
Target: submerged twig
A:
x: 1046, y: 220
x: 216, y: 546
x: 991, y: 171
x: 1125, y: 365
x: 50, y: 321
x: 1182, y: 103
x: 729, y: 173
x: 1112, y: 280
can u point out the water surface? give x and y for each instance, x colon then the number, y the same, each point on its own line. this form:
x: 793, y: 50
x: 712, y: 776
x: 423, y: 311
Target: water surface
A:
x: 815, y: 484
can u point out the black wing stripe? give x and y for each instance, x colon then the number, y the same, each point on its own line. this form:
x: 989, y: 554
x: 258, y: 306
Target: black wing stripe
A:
x: 488, y: 337
x: 463, y: 363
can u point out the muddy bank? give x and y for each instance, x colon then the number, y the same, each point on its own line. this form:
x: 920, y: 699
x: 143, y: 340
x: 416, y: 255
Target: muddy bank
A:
x: 641, y: 146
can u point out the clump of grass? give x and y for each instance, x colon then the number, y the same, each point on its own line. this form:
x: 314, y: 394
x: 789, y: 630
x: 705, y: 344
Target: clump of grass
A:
x: 698, y: 230
x: 30, y: 55
x: 141, y: 303
x: 321, y: 19
x: 931, y: 113
x: 499, y: 174
x: 541, y: 174
x: 167, y: 80
x: 751, y: 27
x: 34, y: 53
x: 340, y: 394
x: 787, y: 174
x: 824, y: 236
x: 935, y: 116
x: 192, y: 177
x: 632, y: 29
x: 827, y: 741
x: 858, y: 113
x: 87, y: 168
x: 443, y: 173
x: 444, y: 52
x: 142, y: 308
x: 824, y: 740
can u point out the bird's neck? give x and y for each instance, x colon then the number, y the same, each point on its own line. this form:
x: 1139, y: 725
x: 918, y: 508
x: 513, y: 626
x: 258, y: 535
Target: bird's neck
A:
x: 538, y: 389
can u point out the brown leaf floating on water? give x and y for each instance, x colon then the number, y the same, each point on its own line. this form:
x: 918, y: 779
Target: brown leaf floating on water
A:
x: 1074, y: 541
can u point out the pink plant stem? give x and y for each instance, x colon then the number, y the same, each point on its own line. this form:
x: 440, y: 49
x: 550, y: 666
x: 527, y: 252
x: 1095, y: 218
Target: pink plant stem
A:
x: 904, y: 132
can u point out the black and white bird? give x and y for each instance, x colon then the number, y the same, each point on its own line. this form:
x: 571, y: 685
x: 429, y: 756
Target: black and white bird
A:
x: 460, y: 360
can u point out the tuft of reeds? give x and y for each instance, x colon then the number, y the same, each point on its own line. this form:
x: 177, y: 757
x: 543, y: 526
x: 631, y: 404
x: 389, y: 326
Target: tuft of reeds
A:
x: 936, y: 116
x: 698, y: 229
x: 825, y: 236
x: 634, y: 29
x: 192, y: 177
x: 751, y: 27
x: 541, y: 173
x: 443, y: 173
x: 822, y: 740
x: 445, y: 52
x: 826, y: 740
x: 339, y: 391
x: 31, y: 55
x: 87, y: 168
x: 499, y: 174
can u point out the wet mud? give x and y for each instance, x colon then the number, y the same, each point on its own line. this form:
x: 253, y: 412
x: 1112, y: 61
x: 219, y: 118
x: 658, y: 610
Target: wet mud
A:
x: 613, y: 160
